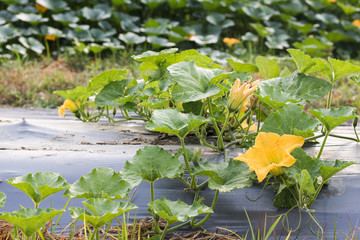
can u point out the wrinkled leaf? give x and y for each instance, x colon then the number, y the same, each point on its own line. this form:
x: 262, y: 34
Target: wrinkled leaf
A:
x: 99, y: 183
x: 268, y: 68
x: 331, y: 118
x: 150, y: 164
x: 192, y: 82
x: 30, y: 220
x: 226, y: 176
x: 291, y: 119
x: 343, y: 69
x: 177, y: 211
x: 111, y: 92
x: 105, y: 78
x: 40, y: 185
x: 295, y: 88
x: 102, y: 211
x: 172, y: 121
x: 242, y: 67
x: 33, y: 44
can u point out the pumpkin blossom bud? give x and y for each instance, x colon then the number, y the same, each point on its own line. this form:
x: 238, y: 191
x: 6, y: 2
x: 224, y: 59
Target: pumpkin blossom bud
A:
x: 68, y: 104
x: 240, y: 93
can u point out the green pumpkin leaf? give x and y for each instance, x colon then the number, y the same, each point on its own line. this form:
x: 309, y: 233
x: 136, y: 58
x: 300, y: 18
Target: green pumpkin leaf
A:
x: 31, y: 18
x: 331, y: 118
x: 268, y: 68
x: 303, y: 61
x: 66, y: 18
x: 242, y: 67
x: 40, y: 185
x: 2, y: 199
x: 259, y: 11
x: 81, y: 93
x: 330, y: 168
x: 343, y: 69
x: 177, y: 211
x: 99, y: 183
x: 192, y: 82
x: 313, y: 46
x: 295, y: 88
x: 226, y: 176
x: 132, y: 38
x: 291, y: 119
x: 150, y: 164
x: 282, y: 199
x: 306, y: 182
x: 52, y: 4
x: 304, y: 162
x: 172, y: 121
x: 155, y: 57
x: 105, y: 78
x: 30, y: 220
x: 33, y: 44
x: 102, y: 211
x: 111, y: 92
x: 95, y: 14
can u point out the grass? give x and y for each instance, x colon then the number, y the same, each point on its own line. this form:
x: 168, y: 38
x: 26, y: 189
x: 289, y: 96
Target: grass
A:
x: 33, y: 83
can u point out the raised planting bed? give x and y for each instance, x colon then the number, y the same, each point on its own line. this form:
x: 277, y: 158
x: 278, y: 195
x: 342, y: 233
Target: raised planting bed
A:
x: 34, y: 141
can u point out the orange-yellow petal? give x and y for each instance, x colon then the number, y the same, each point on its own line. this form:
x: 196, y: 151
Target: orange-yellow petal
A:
x: 270, y: 153
x: 61, y: 111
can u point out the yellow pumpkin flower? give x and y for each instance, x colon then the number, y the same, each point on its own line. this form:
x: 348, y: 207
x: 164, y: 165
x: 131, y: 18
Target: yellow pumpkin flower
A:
x: 270, y: 153
x: 40, y: 7
x: 240, y: 93
x: 356, y: 23
x: 68, y: 104
x: 332, y: 1
x: 50, y: 37
x: 230, y: 41
x: 245, y: 125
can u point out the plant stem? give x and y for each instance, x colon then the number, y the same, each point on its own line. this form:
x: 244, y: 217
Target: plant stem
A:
x: 315, y: 137
x: 343, y: 137
x: 155, y: 217
x: 178, y: 226
x: 164, y: 231
x: 220, y: 142
x: 198, y: 224
x: 323, y: 144
x: 212, y: 118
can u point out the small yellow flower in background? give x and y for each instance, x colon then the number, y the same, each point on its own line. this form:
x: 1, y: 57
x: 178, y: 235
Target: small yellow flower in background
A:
x: 68, y: 104
x: 270, y: 153
x: 230, y: 41
x: 356, y: 23
x: 50, y: 37
x: 245, y: 125
x: 40, y: 7
x: 332, y: 1
x: 239, y: 94
x: 190, y: 36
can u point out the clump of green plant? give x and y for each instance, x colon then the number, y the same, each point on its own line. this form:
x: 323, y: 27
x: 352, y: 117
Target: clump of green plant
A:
x: 188, y: 93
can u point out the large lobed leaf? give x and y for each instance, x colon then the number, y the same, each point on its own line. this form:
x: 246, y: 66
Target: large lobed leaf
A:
x: 99, y: 183
x: 192, y: 82
x: 291, y: 119
x: 172, y: 121
x: 333, y: 117
x: 226, y: 176
x: 295, y: 88
x: 102, y: 211
x: 177, y: 211
x: 150, y: 164
x: 111, y: 92
x: 40, y: 185
x: 30, y: 220
x: 105, y: 78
